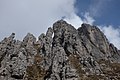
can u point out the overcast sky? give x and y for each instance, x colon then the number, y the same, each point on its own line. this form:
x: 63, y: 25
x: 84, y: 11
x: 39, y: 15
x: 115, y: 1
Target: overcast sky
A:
x: 35, y: 16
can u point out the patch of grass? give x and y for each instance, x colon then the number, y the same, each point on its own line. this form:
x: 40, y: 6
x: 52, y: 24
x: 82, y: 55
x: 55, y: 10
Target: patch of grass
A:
x: 103, y: 61
x: 74, y: 60
x: 115, y: 67
x: 35, y: 71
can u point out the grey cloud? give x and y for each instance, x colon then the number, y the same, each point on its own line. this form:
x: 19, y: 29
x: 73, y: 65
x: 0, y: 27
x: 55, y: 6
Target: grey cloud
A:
x: 35, y: 16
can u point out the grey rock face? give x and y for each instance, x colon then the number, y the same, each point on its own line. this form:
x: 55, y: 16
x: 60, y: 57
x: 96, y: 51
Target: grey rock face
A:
x: 63, y: 53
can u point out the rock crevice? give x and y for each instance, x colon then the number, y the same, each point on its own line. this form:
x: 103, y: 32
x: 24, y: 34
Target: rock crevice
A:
x: 63, y: 53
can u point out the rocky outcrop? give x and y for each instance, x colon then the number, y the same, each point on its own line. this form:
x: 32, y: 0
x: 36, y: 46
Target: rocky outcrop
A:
x: 63, y: 53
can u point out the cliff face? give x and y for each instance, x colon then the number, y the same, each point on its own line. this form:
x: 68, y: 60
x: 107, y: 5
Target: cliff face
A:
x: 63, y: 53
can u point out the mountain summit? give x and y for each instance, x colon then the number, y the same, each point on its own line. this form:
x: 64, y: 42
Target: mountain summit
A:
x: 63, y: 53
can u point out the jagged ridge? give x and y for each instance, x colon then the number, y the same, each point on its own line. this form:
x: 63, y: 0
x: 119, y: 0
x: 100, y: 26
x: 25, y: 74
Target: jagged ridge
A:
x: 71, y: 54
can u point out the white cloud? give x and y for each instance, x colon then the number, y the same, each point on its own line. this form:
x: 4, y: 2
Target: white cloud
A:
x: 113, y: 34
x: 75, y: 20
x: 88, y: 19
x: 34, y: 16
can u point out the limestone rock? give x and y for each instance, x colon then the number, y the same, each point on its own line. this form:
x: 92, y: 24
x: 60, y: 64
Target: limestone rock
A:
x: 63, y: 53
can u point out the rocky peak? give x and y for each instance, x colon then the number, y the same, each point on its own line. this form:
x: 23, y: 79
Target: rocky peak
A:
x: 63, y: 53
x: 95, y: 36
